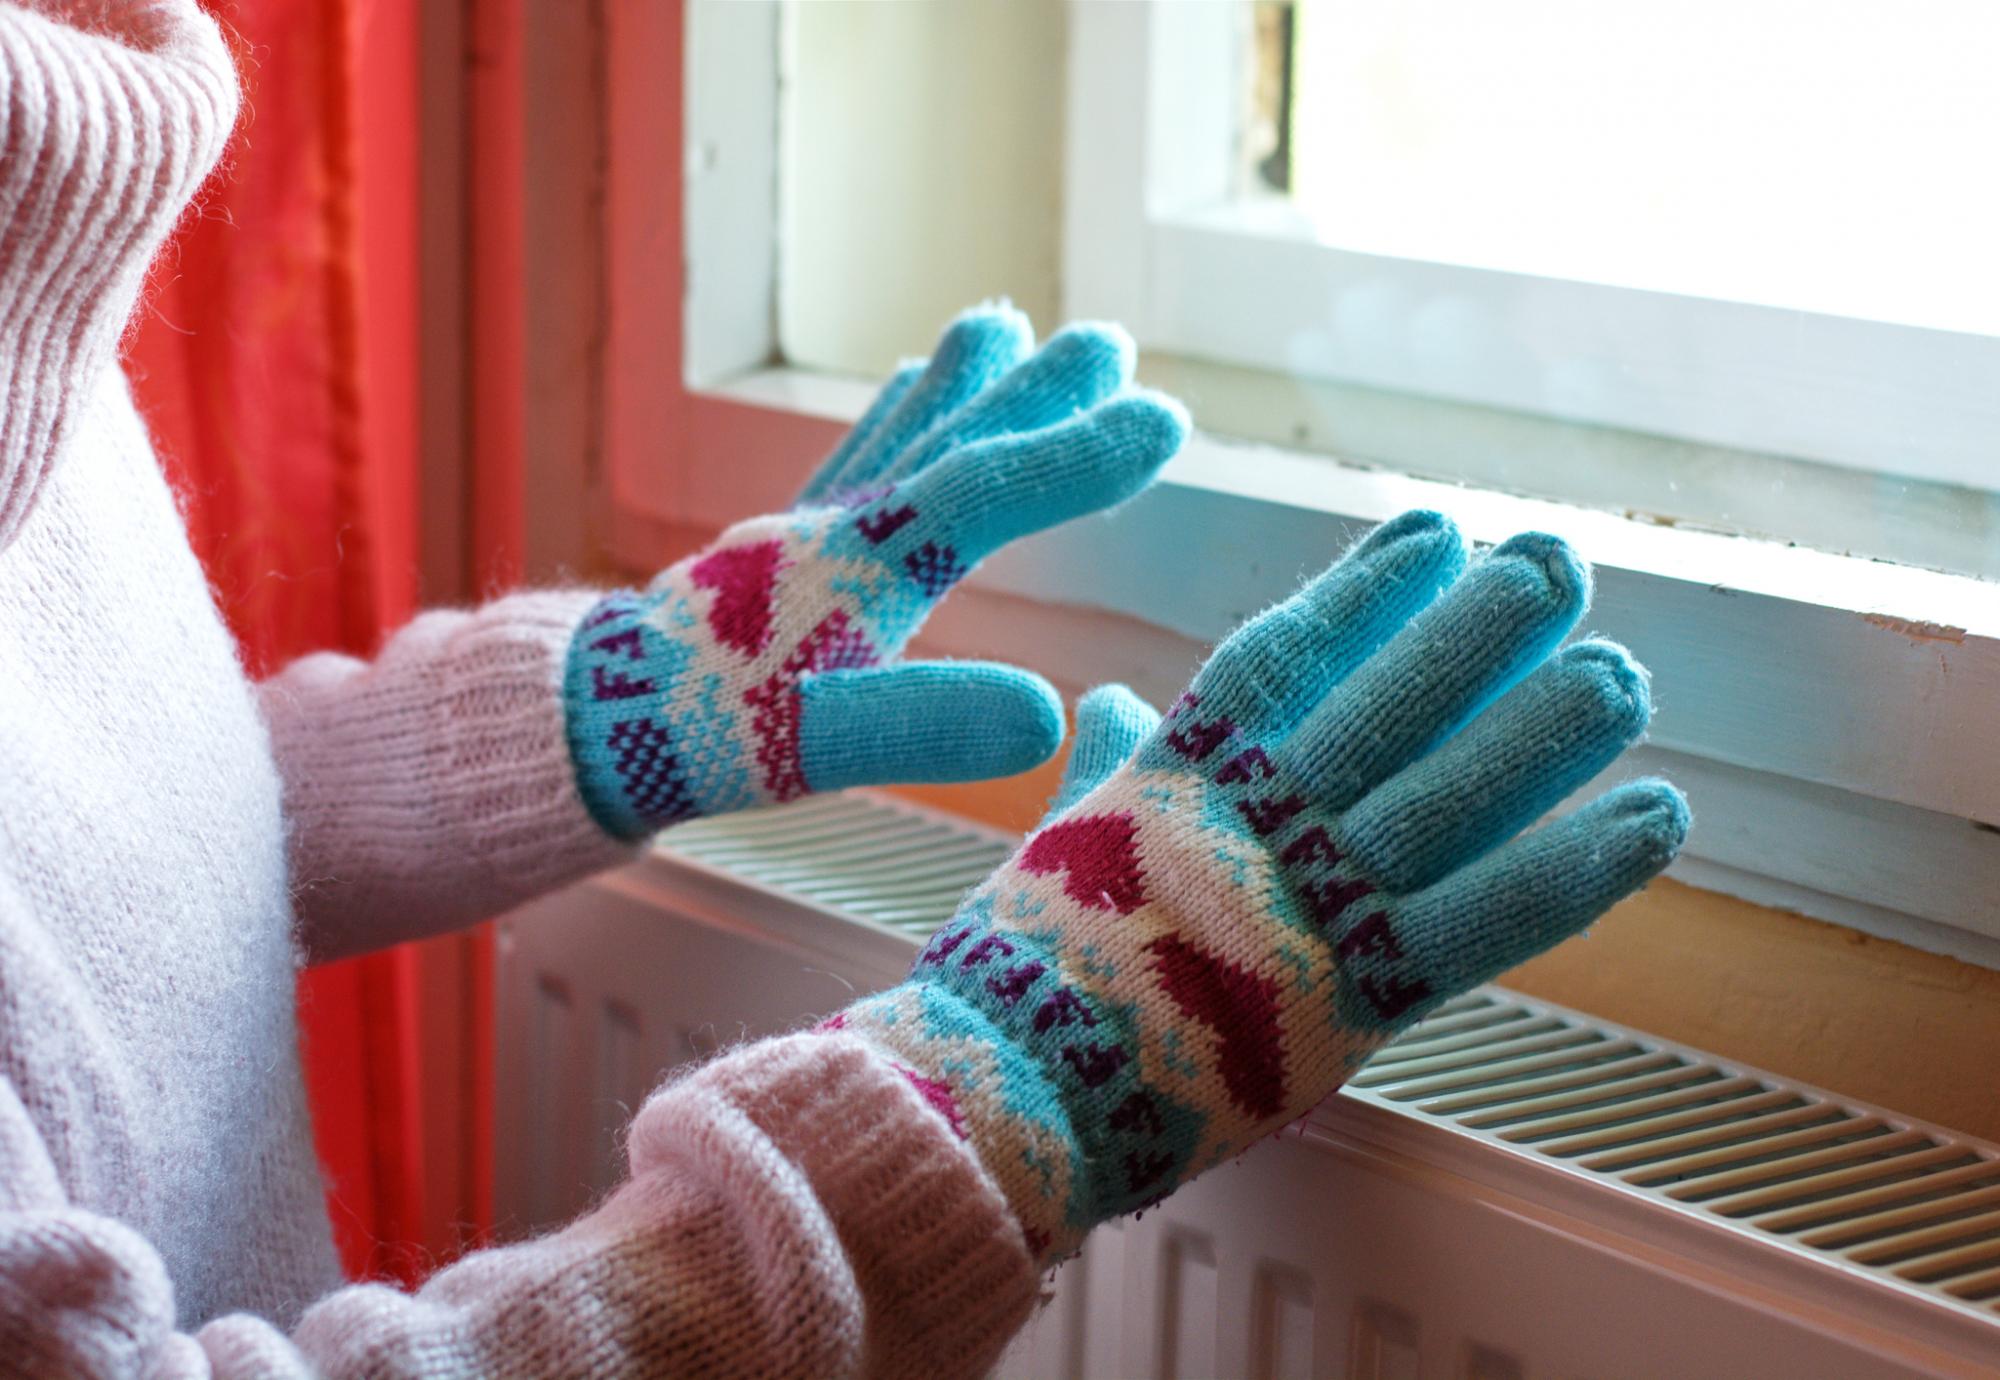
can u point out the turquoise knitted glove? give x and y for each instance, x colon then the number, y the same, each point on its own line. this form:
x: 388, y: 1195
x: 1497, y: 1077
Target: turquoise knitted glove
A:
x: 755, y: 671
x: 1228, y: 910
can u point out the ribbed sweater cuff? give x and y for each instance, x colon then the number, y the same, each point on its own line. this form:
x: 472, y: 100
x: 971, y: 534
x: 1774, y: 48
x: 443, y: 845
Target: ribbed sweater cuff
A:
x: 433, y: 786
x: 943, y: 1274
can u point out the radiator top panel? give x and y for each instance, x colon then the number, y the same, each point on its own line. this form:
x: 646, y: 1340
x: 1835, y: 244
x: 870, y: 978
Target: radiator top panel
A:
x: 1912, y: 1205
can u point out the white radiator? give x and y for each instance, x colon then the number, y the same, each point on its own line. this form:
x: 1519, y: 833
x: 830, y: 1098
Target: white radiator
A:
x: 1510, y: 1191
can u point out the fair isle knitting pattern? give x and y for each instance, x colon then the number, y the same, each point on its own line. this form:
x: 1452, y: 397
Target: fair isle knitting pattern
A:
x: 687, y: 699
x: 759, y: 669
x: 1309, y: 853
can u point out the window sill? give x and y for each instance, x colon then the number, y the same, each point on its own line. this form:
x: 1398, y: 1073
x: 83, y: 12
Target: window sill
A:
x: 1831, y: 718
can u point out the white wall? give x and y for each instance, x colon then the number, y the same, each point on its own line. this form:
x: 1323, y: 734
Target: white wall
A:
x: 925, y: 172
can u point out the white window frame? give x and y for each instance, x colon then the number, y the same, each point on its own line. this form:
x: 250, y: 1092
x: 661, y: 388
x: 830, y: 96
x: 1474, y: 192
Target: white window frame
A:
x: 1155, y: 239
x: 1835, y: 721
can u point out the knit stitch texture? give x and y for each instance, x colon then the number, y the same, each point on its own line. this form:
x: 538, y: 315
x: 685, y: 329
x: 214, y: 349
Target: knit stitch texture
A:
x: 1255, y: 892
x: 1231, y: 908
x: 755, y: 671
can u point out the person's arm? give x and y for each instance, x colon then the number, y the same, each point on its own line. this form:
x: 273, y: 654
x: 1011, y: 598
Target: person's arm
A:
x: 1226, y: 911
x: 485, y: 757
x: 432, y: 787
x: 795, y: 1209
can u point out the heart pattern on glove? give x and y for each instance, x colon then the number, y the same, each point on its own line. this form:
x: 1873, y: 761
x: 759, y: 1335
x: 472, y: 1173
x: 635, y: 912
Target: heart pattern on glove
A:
x: 1100, y: 854
x: 744, y: 579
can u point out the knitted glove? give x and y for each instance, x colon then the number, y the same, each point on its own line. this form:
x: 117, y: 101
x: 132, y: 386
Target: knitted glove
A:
x: 754, y: 671
x: 1228, y: 910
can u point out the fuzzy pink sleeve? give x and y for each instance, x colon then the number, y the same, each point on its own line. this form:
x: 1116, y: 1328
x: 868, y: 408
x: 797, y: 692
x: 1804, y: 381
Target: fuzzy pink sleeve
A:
x: 432, y: 787
x: 794, y: 1209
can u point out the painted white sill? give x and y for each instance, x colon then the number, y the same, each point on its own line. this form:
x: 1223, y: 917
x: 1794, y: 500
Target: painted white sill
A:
x: 1835, y: 721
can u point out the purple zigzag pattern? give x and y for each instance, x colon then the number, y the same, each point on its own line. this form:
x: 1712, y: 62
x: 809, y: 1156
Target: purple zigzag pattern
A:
x: 1095, y: 1064
x: 1268, y: 815
x: 1372, y: 937
x: 935, y: 568
x: 884, y: 523
x: 1246, y: 766
x: 1393, y: 996
x: 1331, y: 898
x: 1013, y: 984
x: 649, y: 769
x: 1196, y: 741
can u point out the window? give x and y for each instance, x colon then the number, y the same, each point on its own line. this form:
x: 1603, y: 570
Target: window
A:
x: 1736, y: 442
x: 1819, y: 158
x: 1745, y: 241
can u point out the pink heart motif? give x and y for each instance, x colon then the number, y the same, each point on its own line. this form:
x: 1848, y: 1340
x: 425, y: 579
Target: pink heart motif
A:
x: 1241, y: 1008
x: 744, y: 579
x: 1101, y: 855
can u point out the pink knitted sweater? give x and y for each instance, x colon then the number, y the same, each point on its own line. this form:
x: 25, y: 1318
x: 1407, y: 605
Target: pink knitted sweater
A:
x: 174, y: 841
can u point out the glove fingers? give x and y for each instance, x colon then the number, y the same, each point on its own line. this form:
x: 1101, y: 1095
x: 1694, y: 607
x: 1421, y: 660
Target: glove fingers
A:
x: 1399, y: 962
x: 994, y: 491
x: 1277, y: 666
x: 1111, y: 722
x: 1482, y: 635
x: 1079, y: 366
x: 826, y: 481
x: 925, y: 721
x: 1520, y: 759
x: 982, y: 345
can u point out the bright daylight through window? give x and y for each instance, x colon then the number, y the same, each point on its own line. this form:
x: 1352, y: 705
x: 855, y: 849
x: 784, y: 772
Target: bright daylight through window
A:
x: 1759, y: 151
x: 1725, y: 263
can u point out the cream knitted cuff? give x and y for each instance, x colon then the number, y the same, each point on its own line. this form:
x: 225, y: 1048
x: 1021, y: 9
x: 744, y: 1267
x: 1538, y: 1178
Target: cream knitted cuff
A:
x: 943, y: 1273
x: 432, y: 787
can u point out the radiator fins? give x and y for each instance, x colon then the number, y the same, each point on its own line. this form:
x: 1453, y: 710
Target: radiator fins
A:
x: 1912, y: 1204
x: 1874, y: 1190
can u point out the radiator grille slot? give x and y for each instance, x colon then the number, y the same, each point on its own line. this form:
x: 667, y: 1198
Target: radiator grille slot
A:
x: 896, y: 867
x: 1915, y: 1206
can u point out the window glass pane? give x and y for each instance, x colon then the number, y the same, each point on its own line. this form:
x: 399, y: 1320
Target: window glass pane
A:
x: 1830, y: 155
